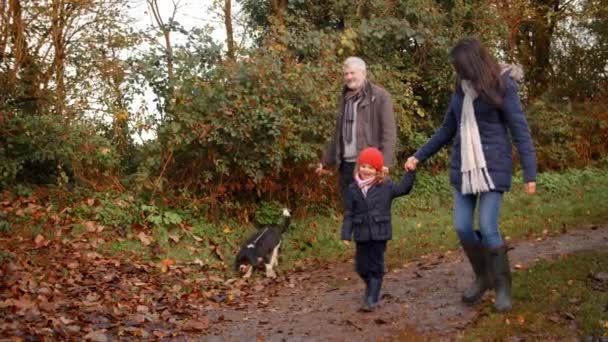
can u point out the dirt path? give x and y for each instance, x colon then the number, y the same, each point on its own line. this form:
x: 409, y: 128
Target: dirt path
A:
x: 421, y: 300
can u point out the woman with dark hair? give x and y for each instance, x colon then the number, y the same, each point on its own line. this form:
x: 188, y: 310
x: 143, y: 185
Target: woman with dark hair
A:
x: 483, y: 110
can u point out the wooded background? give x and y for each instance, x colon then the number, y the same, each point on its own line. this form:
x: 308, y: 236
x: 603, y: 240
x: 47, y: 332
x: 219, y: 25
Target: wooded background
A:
x: 240, y: 124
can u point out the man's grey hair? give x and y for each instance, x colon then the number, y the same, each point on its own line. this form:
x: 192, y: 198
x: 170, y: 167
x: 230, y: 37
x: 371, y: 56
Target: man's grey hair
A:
x: 355, y: 62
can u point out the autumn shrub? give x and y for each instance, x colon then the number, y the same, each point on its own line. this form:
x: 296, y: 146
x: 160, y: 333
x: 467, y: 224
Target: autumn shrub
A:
x: 45, y: 150
x: 567, y: 135
x: 243, y: 134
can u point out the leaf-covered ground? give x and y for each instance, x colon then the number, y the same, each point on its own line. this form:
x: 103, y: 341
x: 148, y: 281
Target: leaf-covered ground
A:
x: 62, y: 289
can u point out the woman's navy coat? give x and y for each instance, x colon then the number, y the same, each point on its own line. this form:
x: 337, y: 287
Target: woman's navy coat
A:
x: 369, y: 218
x: 494, y: 127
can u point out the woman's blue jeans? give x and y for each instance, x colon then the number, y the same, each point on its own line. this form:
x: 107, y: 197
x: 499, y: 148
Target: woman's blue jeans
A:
x: 489, y: 209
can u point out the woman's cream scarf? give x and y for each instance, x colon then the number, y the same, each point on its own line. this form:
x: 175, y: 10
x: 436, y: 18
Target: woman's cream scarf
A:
x: 475, y: 175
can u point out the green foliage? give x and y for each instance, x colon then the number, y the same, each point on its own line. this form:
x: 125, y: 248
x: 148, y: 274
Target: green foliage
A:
x: 161, y: 220
x: 568, y: 181
x: 566, y: 136
x: 244, y: 131
x: 579, y: 61
x: 233, y: 133
x: 116, y: 211
x: 5, y: 226
x: 268, y: 213
x: 5, y: 256
x: 40, y: 149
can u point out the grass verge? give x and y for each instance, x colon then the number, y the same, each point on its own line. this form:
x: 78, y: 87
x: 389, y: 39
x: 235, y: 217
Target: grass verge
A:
x: 557, y: 300
x: 422, y: 221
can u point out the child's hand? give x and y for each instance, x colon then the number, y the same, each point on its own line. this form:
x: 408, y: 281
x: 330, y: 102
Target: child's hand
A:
x: 346, y: 242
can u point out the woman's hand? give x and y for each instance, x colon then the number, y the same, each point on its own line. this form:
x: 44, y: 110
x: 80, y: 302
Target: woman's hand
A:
x: 410, y: 164
x: 530, y: 188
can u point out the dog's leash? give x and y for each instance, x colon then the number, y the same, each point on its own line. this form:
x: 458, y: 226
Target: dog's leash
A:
x: 252, y: 245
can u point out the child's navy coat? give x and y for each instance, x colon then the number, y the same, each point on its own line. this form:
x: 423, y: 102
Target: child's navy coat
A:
x: 369, y: 218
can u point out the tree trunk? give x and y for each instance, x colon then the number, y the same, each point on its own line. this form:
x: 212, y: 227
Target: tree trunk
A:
x: 19, y: 44
x: 229, y: 31
x: 278, y: 7
x: 57, y: 30
x: 534, y: 44
x: 166, y: 31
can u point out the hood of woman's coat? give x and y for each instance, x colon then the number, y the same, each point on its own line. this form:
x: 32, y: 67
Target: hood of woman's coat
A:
x: 515, y: 70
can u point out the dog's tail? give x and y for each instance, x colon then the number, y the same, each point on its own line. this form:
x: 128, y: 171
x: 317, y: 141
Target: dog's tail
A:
x: 286, y: 220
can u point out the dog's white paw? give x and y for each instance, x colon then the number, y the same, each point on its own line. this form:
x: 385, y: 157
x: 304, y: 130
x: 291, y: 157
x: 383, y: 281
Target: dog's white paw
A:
x: 270, y: 273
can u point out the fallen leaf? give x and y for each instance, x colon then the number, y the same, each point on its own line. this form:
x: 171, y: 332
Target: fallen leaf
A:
x: 145, y: 239
x: 142, y: 309
x: 218, y: 252
x: 65, y: 321
x: 198, y: 261
x: 73, y: 328
x: 196, y: 238
x: 174, y: 237
x: 96, y: 336
x: 199, y: 324
x: 165, y: 264
x: 90, y: 226
x: 41, y: 241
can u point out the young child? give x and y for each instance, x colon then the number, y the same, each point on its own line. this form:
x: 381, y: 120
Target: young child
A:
x: 367, y: 219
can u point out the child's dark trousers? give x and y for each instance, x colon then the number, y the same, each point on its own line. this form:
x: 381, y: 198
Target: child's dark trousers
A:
x: 369, y: 259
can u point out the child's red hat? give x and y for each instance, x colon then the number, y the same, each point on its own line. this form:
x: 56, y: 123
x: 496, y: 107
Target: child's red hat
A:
x: 373, y: 157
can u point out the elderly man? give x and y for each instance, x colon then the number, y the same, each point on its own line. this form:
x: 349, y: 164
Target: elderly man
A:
x: 365, y: 119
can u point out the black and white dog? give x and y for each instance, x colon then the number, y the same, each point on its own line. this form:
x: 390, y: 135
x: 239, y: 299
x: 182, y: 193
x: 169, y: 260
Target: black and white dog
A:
x: 262, y: 248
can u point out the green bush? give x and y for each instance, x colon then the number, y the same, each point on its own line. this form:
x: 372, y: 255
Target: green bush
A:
x: 44, y: 150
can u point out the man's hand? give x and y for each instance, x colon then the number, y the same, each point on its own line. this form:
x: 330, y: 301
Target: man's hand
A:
x: 320, y: 170
x: 411, y: 164
x: 530, y: 188
x: 346, y: 242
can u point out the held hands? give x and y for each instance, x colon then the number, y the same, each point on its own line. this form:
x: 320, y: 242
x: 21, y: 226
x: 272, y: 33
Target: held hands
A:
x: 530, y: 188
x: 411, y: 164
